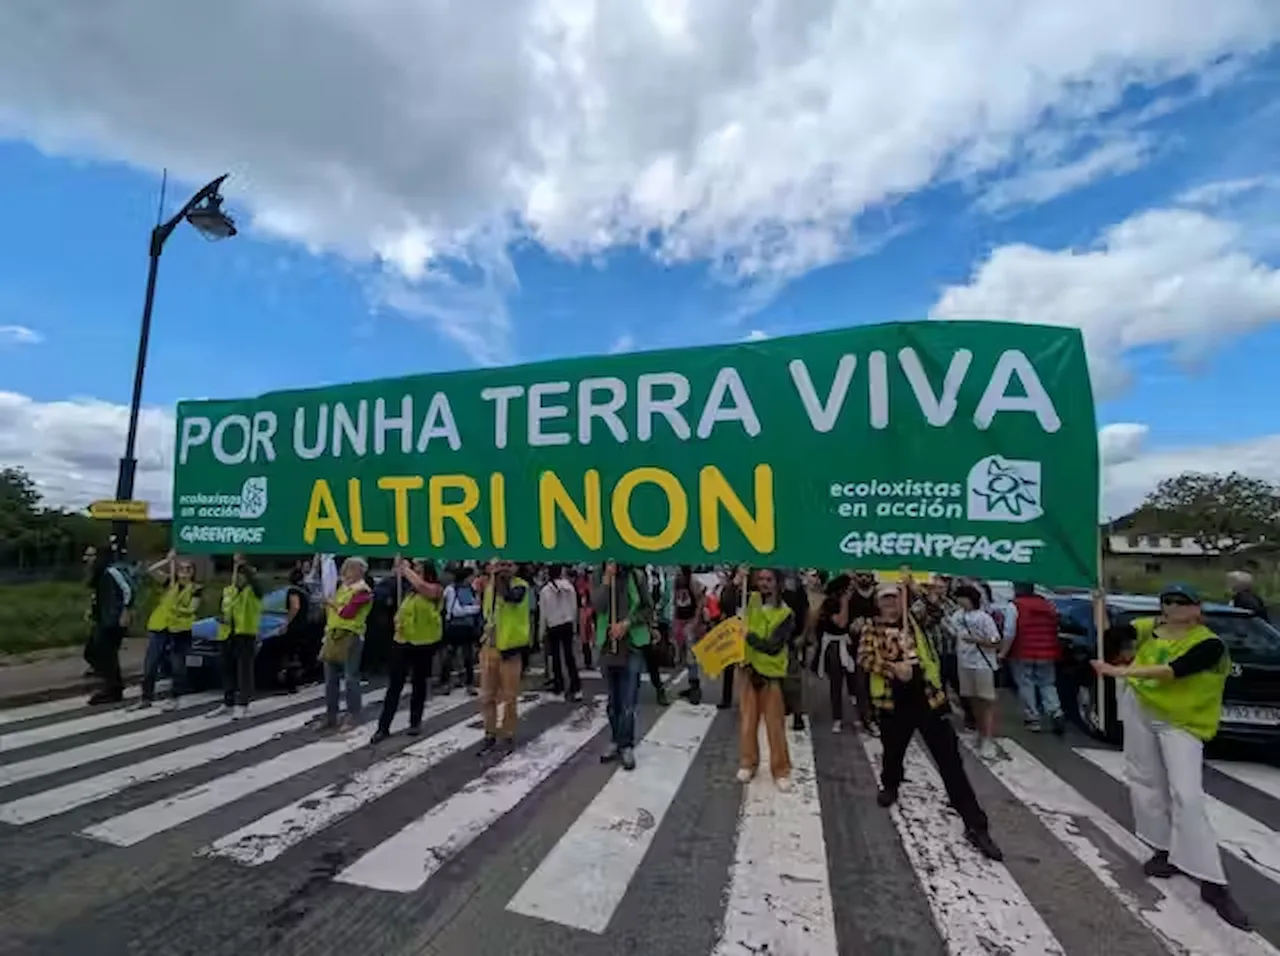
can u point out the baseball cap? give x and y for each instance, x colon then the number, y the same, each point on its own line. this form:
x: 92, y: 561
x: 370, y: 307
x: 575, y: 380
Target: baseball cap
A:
x: 1185, y: 591
x: 885, y: 589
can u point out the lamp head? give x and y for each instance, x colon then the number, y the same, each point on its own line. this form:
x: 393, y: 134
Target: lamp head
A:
x: 211, y: 221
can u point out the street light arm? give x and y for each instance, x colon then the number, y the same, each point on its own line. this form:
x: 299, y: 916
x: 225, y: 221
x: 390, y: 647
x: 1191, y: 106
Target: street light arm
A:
x: 160, y: 234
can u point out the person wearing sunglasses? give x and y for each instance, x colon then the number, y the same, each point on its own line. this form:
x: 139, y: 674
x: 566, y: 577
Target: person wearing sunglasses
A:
x: 1170, y: 704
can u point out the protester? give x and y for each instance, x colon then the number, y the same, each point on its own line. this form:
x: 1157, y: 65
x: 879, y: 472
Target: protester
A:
x: 586, y: 615
x: 623, y: 630
x: 1244, y: 596
x: 419, y: 629
x: 795, y: 597
x: 978, y: 643
x: 907, y: 692
x: 112, y: 595
x: 169, y: 628
x: 346, y: 617
x: 463, y: 625
x: 769, y: 623
x: 298, y: 644
x: 837, y: 660
x: 688, y: 599
x: 1033, y: 658
x: 506, y: 638
x: 559, y: 611
x: 933, y: 610
x: 727, y: 604
x: 1171, y: 704
x: 239, y: 620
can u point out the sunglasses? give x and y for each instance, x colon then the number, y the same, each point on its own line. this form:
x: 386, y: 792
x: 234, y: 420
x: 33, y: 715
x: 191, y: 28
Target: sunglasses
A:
x: 1177, y: 601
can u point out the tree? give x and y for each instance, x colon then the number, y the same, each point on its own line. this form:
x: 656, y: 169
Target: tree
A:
x: 1223, y: 513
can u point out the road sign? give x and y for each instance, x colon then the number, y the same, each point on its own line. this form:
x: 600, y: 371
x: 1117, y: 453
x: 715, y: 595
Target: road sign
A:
x: 119, y: 510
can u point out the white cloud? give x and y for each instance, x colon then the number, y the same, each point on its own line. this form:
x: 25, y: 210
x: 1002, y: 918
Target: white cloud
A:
x: 748, y: 132
x: 1130, y: 470
x: 19, y: 335
x: 1174, y: 277
x: 626, y: 342
x: 755, y: 335
x: 1039, y: 184
x: 72, y: 449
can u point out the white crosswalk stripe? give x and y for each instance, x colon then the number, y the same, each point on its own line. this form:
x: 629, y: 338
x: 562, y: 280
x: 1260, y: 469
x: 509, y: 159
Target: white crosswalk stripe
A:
x: 65, y: 705
x: 95, y: 722
x: 779, y: 865
x: 267, y: 838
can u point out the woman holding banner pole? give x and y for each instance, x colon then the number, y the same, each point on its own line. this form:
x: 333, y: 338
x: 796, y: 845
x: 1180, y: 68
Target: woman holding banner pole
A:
x: 623, y: 617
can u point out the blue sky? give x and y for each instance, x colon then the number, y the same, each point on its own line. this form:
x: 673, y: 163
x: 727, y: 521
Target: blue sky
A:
x: 264, y: 311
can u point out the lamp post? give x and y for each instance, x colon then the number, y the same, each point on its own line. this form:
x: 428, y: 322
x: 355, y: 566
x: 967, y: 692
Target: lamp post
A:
x: 204, y: 212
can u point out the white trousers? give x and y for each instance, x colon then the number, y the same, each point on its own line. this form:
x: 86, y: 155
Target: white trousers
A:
x: 1165, y: 772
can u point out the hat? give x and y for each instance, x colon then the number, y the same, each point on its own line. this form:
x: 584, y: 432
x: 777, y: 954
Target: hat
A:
x: 1180, y: 590
x: 885, y: 589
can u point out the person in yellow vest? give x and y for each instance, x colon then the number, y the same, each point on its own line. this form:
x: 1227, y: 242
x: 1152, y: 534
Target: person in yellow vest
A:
x: 169, y: 627
x: 906, y: 690
x: 507, y: 633
x: 1170, y: 704
x: 239, y: 618
x: 345, y: 616
x: 419, y: 629
x: 624, y: 615
x: 769, y: 623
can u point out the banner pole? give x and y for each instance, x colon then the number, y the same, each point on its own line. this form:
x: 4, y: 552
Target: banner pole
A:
x: 1100, y: 627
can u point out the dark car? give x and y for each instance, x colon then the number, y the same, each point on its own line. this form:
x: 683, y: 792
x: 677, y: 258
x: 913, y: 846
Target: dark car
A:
x: 1251, y: 702
x: 204, y: 660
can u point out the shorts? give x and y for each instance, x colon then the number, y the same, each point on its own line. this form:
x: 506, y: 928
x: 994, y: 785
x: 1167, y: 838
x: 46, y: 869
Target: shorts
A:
x: 978, y: 682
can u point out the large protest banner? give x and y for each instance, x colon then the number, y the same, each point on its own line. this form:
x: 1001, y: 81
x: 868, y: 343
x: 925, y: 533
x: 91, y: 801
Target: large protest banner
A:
x: 962, y: 447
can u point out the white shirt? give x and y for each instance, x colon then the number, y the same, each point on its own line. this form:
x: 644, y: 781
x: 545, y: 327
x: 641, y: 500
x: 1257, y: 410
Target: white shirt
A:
x: 977, y: 624
x: 557, y: 604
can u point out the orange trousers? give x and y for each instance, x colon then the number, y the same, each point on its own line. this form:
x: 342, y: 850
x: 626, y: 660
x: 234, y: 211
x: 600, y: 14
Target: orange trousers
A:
x: 754, y: 706
x: 499, y: 685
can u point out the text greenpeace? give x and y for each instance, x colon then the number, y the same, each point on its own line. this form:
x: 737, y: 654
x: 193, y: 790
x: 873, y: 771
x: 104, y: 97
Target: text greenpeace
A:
x: 958, y: 447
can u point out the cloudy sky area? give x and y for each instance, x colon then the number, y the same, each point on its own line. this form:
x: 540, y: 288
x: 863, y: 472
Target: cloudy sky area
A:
x: 431, y: 185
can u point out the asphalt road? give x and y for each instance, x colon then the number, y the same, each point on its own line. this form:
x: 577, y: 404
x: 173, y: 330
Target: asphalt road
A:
x: 125, y: 832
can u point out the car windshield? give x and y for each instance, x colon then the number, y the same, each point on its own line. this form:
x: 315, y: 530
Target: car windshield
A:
x: 1249, y: 639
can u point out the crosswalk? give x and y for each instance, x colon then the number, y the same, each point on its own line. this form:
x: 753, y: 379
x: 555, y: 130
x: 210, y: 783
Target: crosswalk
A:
x: 84, y: 791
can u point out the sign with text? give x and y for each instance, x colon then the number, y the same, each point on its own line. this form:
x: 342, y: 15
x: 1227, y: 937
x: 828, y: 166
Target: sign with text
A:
x: 964, y: 447
x: 112, y: 510
x: 723, y: 645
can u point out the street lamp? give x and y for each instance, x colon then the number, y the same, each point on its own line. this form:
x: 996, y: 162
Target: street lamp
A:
x: 204, y: 212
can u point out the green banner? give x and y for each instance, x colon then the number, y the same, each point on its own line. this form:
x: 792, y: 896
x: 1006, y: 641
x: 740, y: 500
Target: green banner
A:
x: 966, y: 448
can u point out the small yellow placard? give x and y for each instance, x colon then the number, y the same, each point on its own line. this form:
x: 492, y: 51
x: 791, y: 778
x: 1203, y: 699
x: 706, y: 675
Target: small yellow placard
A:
x: 721, y: 646
x: 893, y: 577
x: 119, y: 510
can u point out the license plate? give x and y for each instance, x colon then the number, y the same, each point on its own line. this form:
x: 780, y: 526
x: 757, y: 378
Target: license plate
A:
x: 1264, y: 716
x: 195, y: 660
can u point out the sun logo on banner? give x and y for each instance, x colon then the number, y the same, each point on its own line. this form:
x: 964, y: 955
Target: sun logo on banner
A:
x: 253, y: 498
x: 1005, y: 489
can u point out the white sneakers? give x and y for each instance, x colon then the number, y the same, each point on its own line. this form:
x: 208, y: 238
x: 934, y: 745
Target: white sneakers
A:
x: 226, y: 710
x: 783, y: 784
x: 170, y: 703
x: 240, y: 713
x: 745, y: 775
x: 837, y: 726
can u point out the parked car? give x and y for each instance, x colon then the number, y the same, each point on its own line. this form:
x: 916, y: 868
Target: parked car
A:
x: 1251, y: 703
x: 204, y: 665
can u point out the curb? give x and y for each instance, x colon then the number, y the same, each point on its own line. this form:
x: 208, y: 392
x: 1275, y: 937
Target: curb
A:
x: 85, y: 686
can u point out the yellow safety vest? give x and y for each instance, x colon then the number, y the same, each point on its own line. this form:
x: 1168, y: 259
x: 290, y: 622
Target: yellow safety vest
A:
x: 882, y: 695
x: 176, y: 609
x: 761, y: 621
x: 241, y: 611
x: 1194, y: 702
x: 341, y: 598
x: 510, y: 620
x: 418, y: 621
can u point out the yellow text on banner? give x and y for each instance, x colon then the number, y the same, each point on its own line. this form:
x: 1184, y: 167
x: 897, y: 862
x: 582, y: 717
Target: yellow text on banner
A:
x: 721, y: 646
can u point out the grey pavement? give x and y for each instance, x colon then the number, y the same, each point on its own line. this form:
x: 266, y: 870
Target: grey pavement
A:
x: 174, y: 791
x: 58, y: 672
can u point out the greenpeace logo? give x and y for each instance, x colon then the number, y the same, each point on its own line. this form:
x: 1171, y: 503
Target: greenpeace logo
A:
x: 961, y: 547
x: 220, y: 534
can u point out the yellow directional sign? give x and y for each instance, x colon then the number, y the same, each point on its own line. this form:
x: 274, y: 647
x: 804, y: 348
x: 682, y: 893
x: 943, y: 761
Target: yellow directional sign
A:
x: 119, y: 510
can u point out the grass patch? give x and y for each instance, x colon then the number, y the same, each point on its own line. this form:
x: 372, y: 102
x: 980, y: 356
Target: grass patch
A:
x: 44, y: 614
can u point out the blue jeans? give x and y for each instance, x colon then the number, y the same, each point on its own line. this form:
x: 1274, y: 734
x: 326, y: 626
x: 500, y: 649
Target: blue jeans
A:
x: 1032, y: 677
x: 334, y: 674
x: 624, y: 691
x: 173, y: 647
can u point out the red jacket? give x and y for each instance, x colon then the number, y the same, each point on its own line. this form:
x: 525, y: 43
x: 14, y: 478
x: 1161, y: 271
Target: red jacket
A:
x: 1035, y: 636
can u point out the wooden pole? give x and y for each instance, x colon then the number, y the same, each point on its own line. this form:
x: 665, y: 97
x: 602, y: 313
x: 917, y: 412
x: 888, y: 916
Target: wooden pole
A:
x: 1100, y: 627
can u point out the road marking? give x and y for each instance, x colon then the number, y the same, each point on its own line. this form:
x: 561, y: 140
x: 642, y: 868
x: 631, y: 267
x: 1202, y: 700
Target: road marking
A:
x: 1238, y: 833
x: 114, y: 746
x: 585, y: 876
x: 1259, y: 776
x: 64, y: 705
x: 1178, y: 918
x: 405, y: 862
x: 50, y: 803
x: 140, y: 824
x: 267, y: 838
x: 99, y: 721
x: 779, y: 898
x: 977, y: 905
